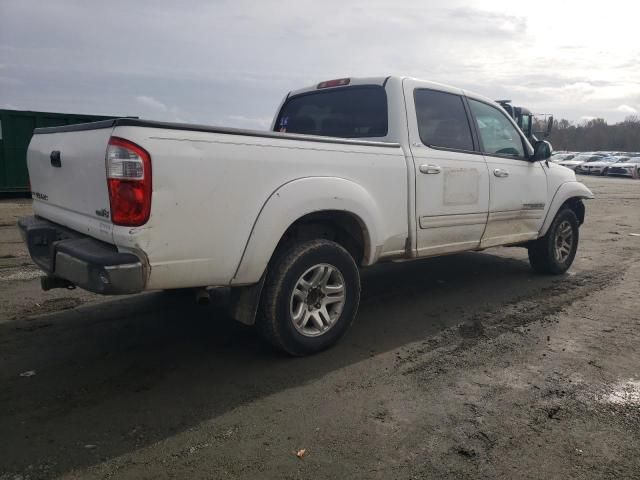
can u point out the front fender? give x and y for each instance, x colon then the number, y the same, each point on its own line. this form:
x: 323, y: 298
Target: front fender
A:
x: 565, y: 192
x: 296, y: 199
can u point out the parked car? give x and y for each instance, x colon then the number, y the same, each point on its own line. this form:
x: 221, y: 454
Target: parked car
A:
x: 626, y: 168
x: 559, y: 157
x: 378, y: 169
x: 580, y: 159
x: 598, y: 166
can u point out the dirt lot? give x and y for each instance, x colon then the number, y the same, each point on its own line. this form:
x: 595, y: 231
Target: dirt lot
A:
x: 467, y: 366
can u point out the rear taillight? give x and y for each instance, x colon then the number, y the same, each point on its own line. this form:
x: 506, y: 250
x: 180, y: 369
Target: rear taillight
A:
x: 129, y: 180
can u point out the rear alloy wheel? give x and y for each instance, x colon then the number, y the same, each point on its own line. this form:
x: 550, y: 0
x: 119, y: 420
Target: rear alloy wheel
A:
x: 554, y: 253
x: 317, y: 300
x: 310, y: 297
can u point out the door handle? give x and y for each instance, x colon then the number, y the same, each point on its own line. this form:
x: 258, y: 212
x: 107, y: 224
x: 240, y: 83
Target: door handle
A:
x: 430, y: 169
x: 499, y: 172
x: 55, y: 159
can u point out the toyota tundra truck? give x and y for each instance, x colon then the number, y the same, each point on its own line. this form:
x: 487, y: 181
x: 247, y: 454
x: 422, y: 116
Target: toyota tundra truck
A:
x: 353, y: 172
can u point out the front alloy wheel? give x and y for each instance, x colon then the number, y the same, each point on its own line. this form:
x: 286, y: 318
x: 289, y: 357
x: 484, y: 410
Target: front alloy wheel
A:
x: 554, y: 253
x: 563, y: 242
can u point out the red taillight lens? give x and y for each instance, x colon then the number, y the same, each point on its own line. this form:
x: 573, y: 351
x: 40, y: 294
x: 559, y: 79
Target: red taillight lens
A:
x: 129, y: 181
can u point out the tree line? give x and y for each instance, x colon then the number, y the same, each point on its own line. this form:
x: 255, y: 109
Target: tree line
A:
x: 596, y: 134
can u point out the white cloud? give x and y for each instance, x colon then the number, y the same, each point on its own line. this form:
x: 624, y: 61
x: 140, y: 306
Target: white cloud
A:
x: 626, y: 109
x: 151, y: 103
x: 10, y: 81
x: 237, y: 59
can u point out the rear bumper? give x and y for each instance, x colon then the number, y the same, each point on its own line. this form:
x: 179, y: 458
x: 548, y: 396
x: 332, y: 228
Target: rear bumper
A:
x: 84, y: 261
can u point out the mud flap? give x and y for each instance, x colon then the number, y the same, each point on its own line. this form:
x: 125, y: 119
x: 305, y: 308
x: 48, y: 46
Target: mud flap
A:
x: 244, y: 302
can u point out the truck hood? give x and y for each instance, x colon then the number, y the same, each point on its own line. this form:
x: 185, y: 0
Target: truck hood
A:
x: 561, y: 173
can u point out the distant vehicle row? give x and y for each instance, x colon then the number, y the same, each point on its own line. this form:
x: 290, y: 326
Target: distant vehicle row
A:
x: 601, y: 163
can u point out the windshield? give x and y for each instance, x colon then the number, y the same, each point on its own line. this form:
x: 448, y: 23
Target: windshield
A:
x: 350, y: 112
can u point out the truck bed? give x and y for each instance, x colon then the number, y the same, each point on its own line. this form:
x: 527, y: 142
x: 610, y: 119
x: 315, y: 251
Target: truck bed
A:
x: 213, y: 191
x: 136, y: 122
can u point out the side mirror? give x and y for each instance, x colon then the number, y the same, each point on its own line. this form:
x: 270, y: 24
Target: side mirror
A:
x: 541, y: 151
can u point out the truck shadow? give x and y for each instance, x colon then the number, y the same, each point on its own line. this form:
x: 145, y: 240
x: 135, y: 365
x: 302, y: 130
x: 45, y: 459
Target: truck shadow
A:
x: 130, y: 372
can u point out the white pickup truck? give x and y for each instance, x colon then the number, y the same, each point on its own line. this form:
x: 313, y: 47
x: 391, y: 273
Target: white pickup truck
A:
x: 354, y: 172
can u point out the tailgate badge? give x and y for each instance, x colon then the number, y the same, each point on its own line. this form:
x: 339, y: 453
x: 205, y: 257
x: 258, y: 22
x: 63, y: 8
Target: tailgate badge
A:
x: 56, y: 159
x: 103, y: 213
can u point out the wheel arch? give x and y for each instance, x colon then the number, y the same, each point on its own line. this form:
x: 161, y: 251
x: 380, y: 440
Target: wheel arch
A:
x: 569, y: 194
x: 321, y: 206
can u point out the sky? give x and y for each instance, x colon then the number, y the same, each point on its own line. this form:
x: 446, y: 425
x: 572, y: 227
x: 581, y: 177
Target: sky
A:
x: 231, y: 62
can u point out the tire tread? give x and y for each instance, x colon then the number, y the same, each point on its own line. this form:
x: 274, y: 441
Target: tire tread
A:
x: 268, y: 323
x: 541, y: 251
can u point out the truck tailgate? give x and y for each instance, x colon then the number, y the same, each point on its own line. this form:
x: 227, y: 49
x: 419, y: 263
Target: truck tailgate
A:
x: 67, y: 171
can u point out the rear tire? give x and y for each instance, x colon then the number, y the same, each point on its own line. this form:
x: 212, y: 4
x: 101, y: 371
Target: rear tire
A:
x: 310, y: 297
x: 554, y: 252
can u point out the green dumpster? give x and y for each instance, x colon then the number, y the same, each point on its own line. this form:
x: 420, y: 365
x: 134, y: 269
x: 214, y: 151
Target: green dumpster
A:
x: 16, y: 129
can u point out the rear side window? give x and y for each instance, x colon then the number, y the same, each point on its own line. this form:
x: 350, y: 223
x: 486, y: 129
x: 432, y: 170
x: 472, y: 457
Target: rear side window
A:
x: 351, y: 112
x: 442, y: 120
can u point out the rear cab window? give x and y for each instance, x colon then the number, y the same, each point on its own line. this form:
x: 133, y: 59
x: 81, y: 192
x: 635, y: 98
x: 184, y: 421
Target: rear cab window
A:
x: 442, y: 120
x: 347, y: 112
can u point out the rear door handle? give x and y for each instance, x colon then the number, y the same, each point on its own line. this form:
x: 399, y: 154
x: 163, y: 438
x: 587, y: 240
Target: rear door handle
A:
x: 430, y: 169
x: 499, y: 172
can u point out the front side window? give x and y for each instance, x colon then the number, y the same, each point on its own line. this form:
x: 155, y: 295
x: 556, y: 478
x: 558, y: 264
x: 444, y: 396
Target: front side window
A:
x: 499, y: 136
x: 442, y: 120
x: 350, y: 112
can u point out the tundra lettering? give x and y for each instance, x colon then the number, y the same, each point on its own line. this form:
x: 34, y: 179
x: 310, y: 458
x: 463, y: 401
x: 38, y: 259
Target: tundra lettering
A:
x: 40, y: 196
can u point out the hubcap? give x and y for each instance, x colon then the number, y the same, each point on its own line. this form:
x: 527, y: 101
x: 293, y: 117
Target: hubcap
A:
x: 317, y: 300
x: 563, y: 241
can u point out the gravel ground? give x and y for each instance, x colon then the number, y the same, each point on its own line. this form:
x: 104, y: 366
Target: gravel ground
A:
x: 468, y: 366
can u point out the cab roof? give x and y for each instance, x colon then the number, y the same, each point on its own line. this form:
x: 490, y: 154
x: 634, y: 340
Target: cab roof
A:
x: 354, y: 81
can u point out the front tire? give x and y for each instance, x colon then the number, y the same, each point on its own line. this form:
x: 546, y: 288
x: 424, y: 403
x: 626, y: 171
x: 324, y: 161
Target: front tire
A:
x: 310, y: 297
x: 554, y: 252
